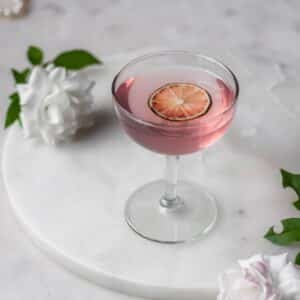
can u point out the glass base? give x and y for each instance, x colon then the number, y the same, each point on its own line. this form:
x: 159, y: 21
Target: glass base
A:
x: 192, y: 215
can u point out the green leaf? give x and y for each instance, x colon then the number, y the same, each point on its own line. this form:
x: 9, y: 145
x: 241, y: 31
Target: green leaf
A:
x: 20, y: 77
x: 293, y: 181
x: 76, y: 59
x: 35, y: 55
x: 297, y: 260
x: 289, y: 234
x: 297, y: 204
x: 13, y: 111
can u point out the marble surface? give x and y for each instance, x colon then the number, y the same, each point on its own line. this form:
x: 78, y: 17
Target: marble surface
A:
x: 70, y: 198
x: 266, y: 34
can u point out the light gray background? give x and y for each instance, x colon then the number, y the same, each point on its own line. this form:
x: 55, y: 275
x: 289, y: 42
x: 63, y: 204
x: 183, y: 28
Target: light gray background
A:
x: 265, y: 32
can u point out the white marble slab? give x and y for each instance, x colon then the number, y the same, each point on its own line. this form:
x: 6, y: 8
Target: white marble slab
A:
x: 70, y: 198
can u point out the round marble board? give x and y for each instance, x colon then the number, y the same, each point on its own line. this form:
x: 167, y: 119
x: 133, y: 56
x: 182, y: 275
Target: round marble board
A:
x: 70, y: 198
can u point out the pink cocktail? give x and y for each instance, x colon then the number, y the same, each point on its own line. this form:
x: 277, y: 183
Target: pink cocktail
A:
x: 169, y: 137
x: 174, y: 103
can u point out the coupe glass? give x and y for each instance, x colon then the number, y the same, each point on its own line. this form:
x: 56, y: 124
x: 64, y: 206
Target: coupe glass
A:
x: 171, y: 210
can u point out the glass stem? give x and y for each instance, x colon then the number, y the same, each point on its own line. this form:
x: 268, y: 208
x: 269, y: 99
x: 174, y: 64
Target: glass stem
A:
x: 170, y: 198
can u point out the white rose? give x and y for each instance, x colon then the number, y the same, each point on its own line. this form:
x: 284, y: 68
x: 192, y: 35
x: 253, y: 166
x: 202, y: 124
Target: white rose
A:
x: 261, y: 278
x: 55, y: 104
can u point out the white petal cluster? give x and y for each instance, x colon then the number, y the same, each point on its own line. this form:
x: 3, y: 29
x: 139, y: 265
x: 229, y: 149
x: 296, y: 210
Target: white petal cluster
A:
x: 55, y: 103
x: 13, y: 10
x: 261, y: 278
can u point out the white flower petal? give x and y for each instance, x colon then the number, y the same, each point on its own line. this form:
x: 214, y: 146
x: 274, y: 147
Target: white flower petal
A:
x: 59, y: 98
x: 289, y: 282
x: 234, y: 287
x: 226, y: 280
x: 25, y: 92
x: 290, y: 271
x: 54, y: 114
x: 49, y: 68
x: 28, y: 125
x: 39, y: 81
x: 261, y: 278
x: 55, y: 104
x: 78, y: 85
x: 246, y: 293
x: 58, y: 75
x: 38, y: 77
x: 246, y: 263
x: 277, y: 263
x: 48, y: 137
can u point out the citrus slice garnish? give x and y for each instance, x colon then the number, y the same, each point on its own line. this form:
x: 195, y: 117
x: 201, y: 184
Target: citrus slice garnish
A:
x: 180, y: 101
